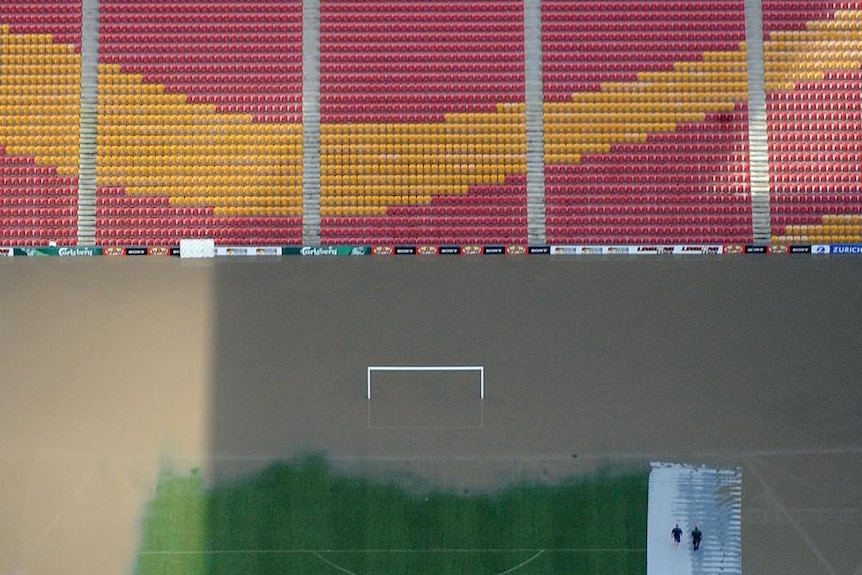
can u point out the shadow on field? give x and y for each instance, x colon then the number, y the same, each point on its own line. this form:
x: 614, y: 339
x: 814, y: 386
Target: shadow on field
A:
x: 729, y: 361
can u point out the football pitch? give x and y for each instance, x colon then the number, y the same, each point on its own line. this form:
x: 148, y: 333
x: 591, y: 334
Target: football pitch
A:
x: 302, y: 516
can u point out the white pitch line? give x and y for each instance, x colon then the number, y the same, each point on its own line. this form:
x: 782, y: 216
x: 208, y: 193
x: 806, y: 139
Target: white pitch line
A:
x: 67, y: 506
x: 356, y: 551
x: 333, y: 565
x: 519, y: 565
x: 510, y: 570
x: 793, y: 522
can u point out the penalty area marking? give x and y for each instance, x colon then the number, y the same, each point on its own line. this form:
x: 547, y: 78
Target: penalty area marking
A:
x: 358, y: 551
x: 320, y: 552
x: 479, y: 368
x: 510, y: 570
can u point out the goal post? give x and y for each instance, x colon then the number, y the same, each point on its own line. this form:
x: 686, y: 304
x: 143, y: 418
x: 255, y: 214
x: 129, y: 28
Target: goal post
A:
x: 407, y: 368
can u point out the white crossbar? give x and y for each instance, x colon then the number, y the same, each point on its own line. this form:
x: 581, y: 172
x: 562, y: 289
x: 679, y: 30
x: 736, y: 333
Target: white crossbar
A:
x: 479, y: 368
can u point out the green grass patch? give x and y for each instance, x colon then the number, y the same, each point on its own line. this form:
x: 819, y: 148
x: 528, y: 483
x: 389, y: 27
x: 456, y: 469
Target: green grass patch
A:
x: 302, y: 517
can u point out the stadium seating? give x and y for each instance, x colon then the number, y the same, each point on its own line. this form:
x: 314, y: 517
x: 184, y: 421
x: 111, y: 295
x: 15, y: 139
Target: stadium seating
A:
x: 40, y: 97
x: 646, y: 122
x: 423, y: 123
x: 199, y: 117
x: 422, y: 106
x: 813, y: 54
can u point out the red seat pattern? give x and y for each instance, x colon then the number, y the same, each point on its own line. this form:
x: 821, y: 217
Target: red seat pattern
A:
x: 486, y: 215
x: 688, y: 182
x: 60, y: 18
x: 789, y: 15
x: 814, y: 120
x: 815, y: 154
x: 415, y: 61
x: 232, y: 173
x: 589, y: 42
x: 244, y: 56
x: 686, y: 187
x: 36, y: 205
x: 123, y: 220
x: 429, y: 81
x: 39, y: 104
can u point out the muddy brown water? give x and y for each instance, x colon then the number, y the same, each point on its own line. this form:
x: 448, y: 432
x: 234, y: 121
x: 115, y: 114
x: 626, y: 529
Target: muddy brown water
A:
x: 113, y: 370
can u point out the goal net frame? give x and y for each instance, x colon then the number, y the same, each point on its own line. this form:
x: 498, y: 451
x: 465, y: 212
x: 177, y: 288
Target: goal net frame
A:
x: 408, y: 368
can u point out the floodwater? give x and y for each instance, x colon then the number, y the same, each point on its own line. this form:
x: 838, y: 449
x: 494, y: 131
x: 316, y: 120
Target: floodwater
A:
x: 115, y: 369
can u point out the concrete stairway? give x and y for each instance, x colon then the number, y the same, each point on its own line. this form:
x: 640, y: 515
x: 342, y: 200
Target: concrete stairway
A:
x: 758, y: 157
x: 535, y: 122
x: 87, y: 145
x: 311, y: 122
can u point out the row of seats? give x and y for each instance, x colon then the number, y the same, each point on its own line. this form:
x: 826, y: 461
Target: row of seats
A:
x: 115, y: 40
x: 842, y: 159
x: 154, y: 235
x: 37, y: 236
x: 632, y: 52
x: 850, y: 199
x: 421, y: 67
x: 37, y: 213
x: 37, y: 222
x: 346, y: 24
x: 409, y: 10
x: 573, y: 29
x: 636, y: 233
x: 818, y: 219
x: 711, y: 6
x: 441, y: 221
x: 672, y: 176
x: 12, y: 198
x: 254, y: 70
x: 807, y: 185
x: 458, y: 80
x: 140, y: 213
x: 817, y: 211
x: 222, y: 58
x: 649, y: 220
x: 373, y: 235
x: 596, y: 41
x: 812, y: 99
x: 803, y: 117
x: 461, y: 208
x: 414, y: 198
x: 652, y: 14
x: 263, y: 25
x: 462, y: 33
x: 652, y: 200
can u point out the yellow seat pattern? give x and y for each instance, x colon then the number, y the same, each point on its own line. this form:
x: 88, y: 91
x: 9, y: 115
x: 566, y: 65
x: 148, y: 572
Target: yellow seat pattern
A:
x: 627, y: 112
x: 40, y: 95
x: 366, y: 167
x: 804, y: 55
x: 155, y: 143
x: 845, y: 229
x: 795, y: 57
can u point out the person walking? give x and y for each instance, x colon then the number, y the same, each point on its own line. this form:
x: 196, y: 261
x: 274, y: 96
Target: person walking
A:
x: 696, y: 537
x: 676, y: 533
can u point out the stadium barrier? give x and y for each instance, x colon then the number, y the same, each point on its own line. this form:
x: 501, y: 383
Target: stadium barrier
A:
x: 441, y: 250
